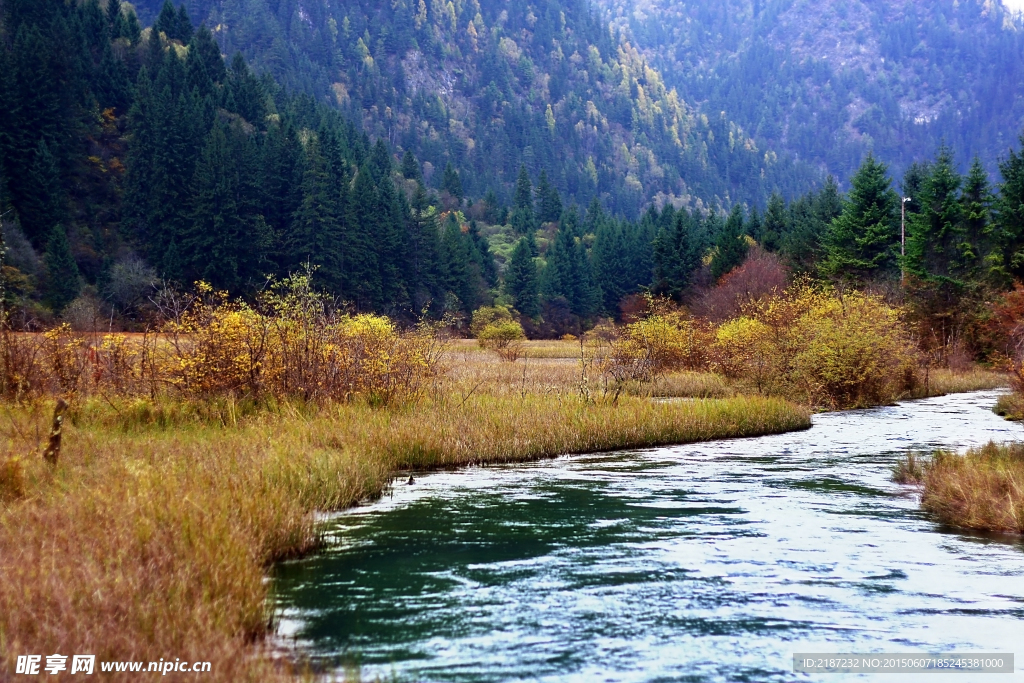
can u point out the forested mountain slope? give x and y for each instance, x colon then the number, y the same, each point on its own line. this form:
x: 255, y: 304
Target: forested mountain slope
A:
x: 827, y: 81
x: 489, y: 85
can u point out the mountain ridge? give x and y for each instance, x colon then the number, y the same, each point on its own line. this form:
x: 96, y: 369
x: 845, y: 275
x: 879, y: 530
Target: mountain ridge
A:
x: 827, y: 82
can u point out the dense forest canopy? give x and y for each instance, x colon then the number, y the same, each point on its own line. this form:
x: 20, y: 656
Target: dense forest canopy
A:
x: 826, y: 82
x: 489, y: 86
x: 135, y: 155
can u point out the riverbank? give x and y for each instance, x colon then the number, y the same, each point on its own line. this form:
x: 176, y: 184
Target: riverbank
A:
x: 582, y: 567
x: 151, y: 537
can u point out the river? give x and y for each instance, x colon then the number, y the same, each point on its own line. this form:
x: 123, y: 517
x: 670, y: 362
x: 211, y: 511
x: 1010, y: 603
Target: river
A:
x: 704, y: 562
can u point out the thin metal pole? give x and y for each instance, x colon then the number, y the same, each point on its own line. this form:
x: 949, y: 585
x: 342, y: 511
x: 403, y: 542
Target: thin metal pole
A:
x: 903, y: 239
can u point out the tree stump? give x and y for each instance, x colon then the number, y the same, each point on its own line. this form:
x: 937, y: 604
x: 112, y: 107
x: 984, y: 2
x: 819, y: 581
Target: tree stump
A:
x: 52, y: 452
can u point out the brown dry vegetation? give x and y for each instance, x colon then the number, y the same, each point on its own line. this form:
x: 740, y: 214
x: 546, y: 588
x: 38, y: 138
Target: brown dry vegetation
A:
x: 981, y: 489
x: 195, y: 457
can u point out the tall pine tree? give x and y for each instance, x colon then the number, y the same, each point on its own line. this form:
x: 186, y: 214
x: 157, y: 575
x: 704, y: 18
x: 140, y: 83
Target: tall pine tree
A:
x: 521, y: 282
x: 863, y: 242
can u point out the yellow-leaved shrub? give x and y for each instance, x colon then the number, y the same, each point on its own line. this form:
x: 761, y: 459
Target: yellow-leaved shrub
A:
x: 663, y: 342
x: 292, y: 342
x: 811, y: 344
x: 822, y: 347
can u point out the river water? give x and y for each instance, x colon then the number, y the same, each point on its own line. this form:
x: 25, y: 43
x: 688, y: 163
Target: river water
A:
x: 706, y: 562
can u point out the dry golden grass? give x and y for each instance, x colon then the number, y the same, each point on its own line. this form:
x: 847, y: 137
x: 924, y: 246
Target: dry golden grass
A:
x: 151, y: 537
x: 941, y: 381
x: 540, y: 348
x: 1010, y: 406
x: 982, y: 489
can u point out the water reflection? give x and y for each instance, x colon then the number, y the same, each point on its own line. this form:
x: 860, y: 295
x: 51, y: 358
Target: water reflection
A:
x: 711, y: 562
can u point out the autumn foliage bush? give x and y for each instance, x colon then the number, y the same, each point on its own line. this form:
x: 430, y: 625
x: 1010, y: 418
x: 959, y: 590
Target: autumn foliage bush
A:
x: 291, y: 342
x: 816, y: 345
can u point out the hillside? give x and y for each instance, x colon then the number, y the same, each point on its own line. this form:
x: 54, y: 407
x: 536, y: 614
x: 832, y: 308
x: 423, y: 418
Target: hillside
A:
x: 489, y: 85
x: 826, y: 82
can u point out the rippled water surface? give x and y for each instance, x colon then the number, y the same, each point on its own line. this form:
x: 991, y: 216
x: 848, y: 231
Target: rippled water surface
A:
x: 708, y: 562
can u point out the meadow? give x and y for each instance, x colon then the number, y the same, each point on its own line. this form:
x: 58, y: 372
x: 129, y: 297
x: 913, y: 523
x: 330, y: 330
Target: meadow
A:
x: 194, y: 458
x: 152, y: 535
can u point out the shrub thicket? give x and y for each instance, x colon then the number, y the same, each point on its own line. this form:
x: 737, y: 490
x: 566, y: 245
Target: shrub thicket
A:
x: 818, y: 346
x: 292, y: 342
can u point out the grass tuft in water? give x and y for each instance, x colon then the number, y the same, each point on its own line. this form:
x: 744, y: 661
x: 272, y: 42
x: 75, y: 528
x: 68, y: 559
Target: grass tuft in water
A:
x: 981, y: 489
x: 909, y: 470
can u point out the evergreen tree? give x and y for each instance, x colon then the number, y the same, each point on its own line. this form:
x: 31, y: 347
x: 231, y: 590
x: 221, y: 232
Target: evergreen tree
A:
x: 523, y: 219
x: 461, y: 269
x: 360, y: 266
x: 731, y: 244
x: 755, y: 229
x: 482, y: 255
x: 280, y: 189
x: 863, y: 242
x: 549, y: 203
x: 609, y: 264
x: 935, y: 234
x: 425, y: 254
x: 204, y: 49
x: 451, y: 183
x: 167, y: 21
x: 227, y: 242
x: 977, y: 249
x: 116, y: 20
x: 775, y: 224
x: 391, y: 240
x: 411, y: 167
x: 245, y: 94
x: 42, y: 201
x: 678, y: 251
x: 521, y: 283
x: 567, y: 273
x: 63, y: 279
x: 183, y: 30
x: 1009, y: 216
x: 808, y: 220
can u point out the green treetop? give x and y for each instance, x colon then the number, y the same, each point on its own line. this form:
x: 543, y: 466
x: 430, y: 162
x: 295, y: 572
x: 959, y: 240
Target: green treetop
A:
x: 521, y: 284
x: 1009, y: 215
x: 732, y: 245
x: 935, y: 234
x: 863, y: 242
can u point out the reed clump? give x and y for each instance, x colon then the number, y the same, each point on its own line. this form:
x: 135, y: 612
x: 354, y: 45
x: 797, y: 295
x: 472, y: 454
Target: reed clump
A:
x: 981, y: 489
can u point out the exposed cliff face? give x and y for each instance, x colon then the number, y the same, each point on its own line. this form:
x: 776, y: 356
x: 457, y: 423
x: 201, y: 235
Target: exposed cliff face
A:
x: 825, y: 81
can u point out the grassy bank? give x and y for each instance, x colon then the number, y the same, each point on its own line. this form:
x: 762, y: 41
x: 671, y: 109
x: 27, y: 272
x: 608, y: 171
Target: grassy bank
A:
x: 940, y: 382
x: 981, y: 489
x: 151, y: 537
